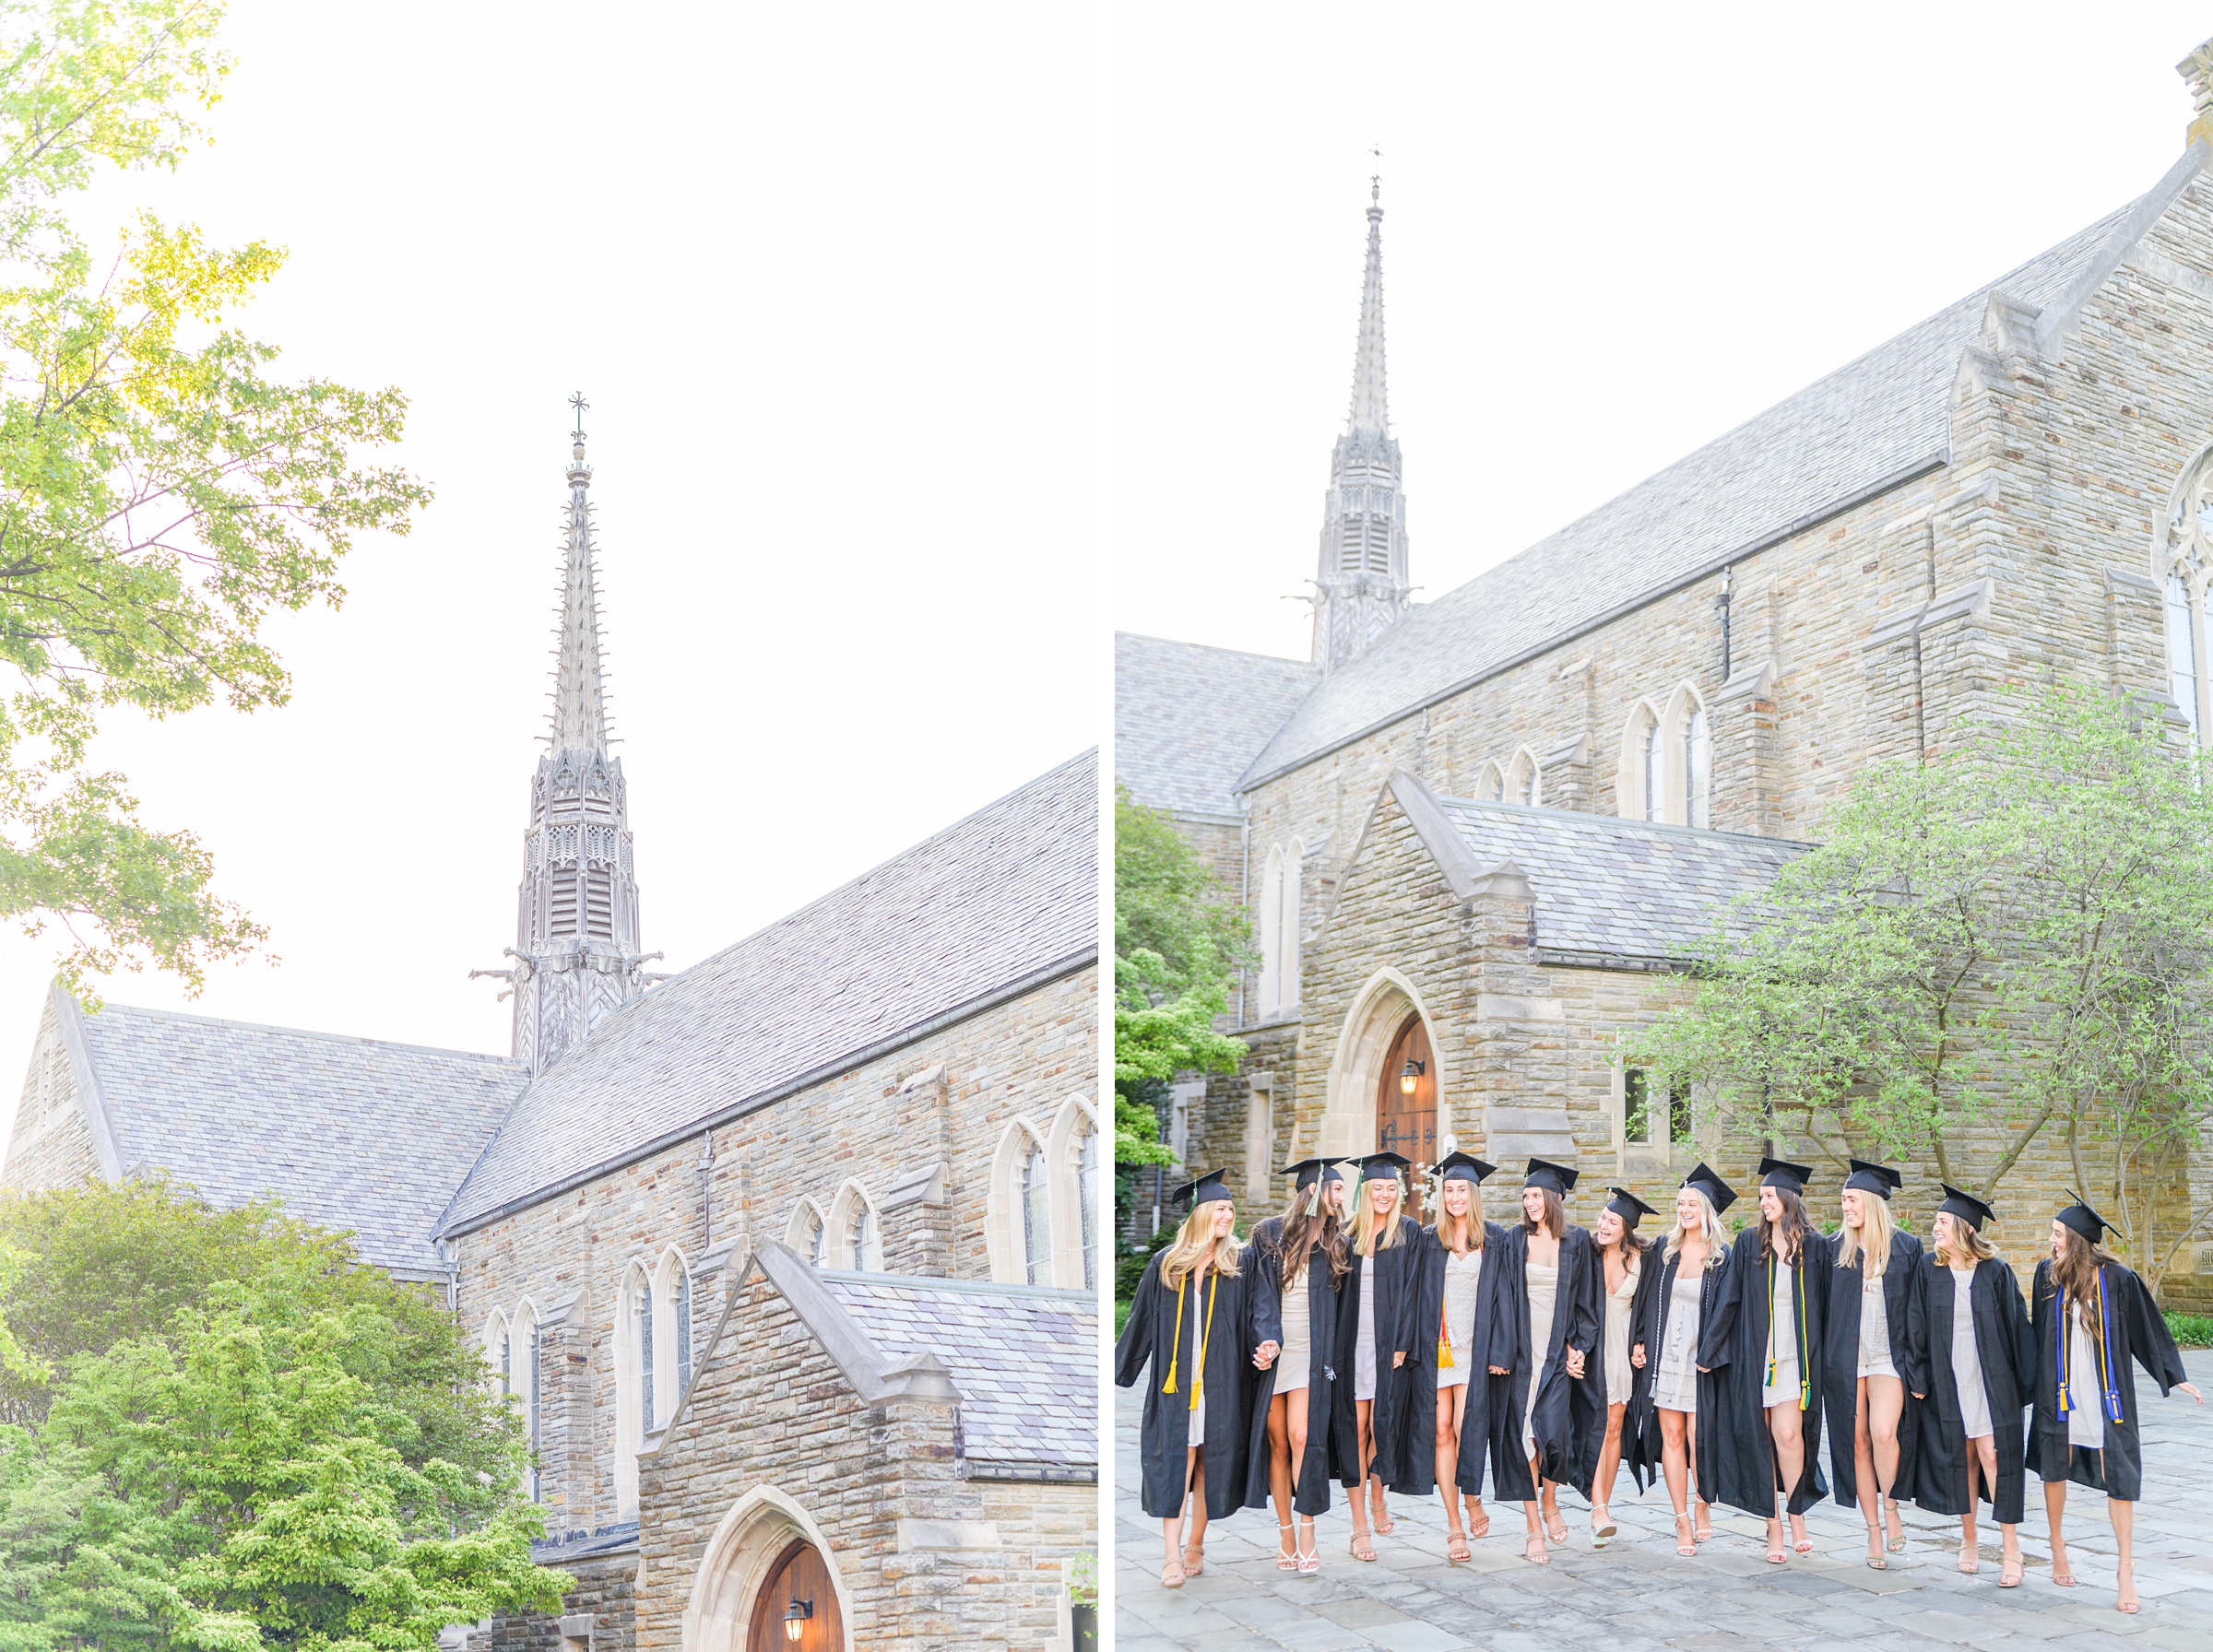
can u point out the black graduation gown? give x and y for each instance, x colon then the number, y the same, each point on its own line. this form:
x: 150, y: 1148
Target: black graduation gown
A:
x: 1733, y: 1342
x: 1310, y: 1474
x: 1905, y: 1304
x: 2138, y: 1332
x: 1591, y: 1437
x: 2005, y: 1353
x: 1236, y: 1394
x: 1563, y: 1402
x: 1394, y: 1270
x: 1417, y: 1456
x: 1643, y: 1443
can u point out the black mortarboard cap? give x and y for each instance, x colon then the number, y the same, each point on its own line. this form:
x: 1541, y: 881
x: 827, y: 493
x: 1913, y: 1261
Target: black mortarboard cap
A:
x: 1456, y: 1166
x: 2085, y: 1221
x: 1544, y: 1172
x: 1375, y: 1167
x: 1335, y: 1173
x: 1966, y: 1206
x: 1782, y: 1173
x: 1628, y: 1207
x: 1878, y: 1179
x: 1204, y: 1190
x: 1718, y: 1194
x: 1308, y: 1171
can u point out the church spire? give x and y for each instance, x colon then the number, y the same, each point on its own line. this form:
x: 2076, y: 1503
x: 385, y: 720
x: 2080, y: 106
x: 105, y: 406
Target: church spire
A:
x: 575, y: 952
x: 1371, y: 406
x: 579, y: 700
x: 1360, y: 586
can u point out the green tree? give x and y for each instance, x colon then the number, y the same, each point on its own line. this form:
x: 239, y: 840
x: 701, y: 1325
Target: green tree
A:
x: 162, y: 490
x: 2010, y: 941
x: 233, y: 1485
x: 101, y: 1266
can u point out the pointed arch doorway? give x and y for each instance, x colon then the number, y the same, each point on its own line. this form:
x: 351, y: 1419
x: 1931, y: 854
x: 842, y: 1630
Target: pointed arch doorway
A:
x: 798, y: 1575
x: 1406, y: 1115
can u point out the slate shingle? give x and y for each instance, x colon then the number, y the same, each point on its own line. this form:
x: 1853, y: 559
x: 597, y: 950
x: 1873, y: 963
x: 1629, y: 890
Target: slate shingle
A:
x: 1188, y: 719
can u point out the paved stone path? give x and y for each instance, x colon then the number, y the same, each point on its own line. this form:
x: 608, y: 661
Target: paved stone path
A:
x: 1638, y: 1595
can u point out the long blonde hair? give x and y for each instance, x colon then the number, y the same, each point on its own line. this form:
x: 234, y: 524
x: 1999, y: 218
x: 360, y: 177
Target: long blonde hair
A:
x: 1970, y: 1241
x: 1465, y: 1228
x: 1876, y: 1227
x: 1195, y: 1243
x: 1712, y: 1231
x: 1366, y: 1228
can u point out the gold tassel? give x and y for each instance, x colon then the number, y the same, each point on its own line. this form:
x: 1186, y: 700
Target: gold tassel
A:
x: 1176, y: 1342
x: 1206, y: 1333
x: 1444, y: 1343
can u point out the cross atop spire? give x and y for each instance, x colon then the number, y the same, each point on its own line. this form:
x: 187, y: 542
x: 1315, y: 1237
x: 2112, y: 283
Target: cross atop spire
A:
x: 579, y: 700
x: 1370, y: 410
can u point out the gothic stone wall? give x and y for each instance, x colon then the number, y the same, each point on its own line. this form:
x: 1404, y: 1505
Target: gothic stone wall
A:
x: 929, y: 1561
x: 604, y: 1593
x: 50, y: 1145
x: 1026, y: 1056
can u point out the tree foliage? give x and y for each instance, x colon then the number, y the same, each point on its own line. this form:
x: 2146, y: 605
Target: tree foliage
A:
x: 2013, y: 941
x: 162, y: 490
x: 1179, y: 937
x: 236, y: 1437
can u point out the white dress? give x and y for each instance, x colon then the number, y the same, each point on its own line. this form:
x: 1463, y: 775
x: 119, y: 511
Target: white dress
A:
x: 1874, y: 1328
x: 1543, y: 1291
x: 1293, y: 1364
x: 1675, y: 1383
x: 1462, y: 1275
x: 1364, y: 1345
x: 1783, y: 1344
x: 1195, y: 1434
x: 1966, y: 1359
x: 1620, y: 1375
x: 2085, y: 1422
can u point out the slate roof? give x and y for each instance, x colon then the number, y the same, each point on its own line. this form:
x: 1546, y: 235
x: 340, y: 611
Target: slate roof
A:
x: 1613, y: 890
x: 1190, y: 719
x: 351, y: 1132
x: 1025, y: 1358
x: 1006, y: 896
x: 1871, y: 423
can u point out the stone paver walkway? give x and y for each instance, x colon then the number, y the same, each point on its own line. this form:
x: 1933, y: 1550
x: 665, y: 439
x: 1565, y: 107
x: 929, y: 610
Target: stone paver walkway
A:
x: 1638, y: 1595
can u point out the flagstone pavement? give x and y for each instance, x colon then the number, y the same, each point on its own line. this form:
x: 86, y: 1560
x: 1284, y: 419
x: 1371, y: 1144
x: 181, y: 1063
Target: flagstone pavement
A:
x: 1638, y: 1595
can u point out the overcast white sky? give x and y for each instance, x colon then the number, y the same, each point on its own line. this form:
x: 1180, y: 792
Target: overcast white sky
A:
x: 1612, y: 232
x: 829, y: 277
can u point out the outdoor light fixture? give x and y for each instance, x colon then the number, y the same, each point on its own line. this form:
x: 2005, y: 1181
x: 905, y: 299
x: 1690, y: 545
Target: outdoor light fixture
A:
x: 1414, y: 1070
x: 795, y: 1619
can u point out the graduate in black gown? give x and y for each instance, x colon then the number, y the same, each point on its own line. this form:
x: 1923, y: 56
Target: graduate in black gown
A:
x: 1875, y: 1356
x: 1305, y: 1250
x: 1981, y: 1366
x: 1373, y: 1336
x: 1767, y: 1434
x: 1205, y: 1323
x: 1547, y: 1324
x: 2092, y: 1316
x: 1447, y: 1417
x: 1626, y: 1274
x: 1671, y: 1416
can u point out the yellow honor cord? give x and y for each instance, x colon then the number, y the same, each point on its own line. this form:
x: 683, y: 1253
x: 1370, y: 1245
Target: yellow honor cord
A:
x: 1444, y: 1341
x: 1175, y: 1342
x: 1206, y: 1331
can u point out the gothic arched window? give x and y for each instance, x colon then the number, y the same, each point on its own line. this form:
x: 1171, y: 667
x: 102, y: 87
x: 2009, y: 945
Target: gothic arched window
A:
x: 521, y: 1341
x: 1279, y: 929
x: 1639, y: 790
x: 1491, y: 788
x: 2183, y: 561
x: 1036, y: 1217
x: 1087, y: 1185
x: 1523, y: 780
x: 1695, y: 758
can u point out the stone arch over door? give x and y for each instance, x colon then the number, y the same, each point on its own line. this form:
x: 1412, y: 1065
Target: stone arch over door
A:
x: 747, y: 1555
x: 1364, y: 1045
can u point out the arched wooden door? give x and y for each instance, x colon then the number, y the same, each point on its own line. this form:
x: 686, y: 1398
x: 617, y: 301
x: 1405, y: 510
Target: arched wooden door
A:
x: 1407, y: 1124
x: 798, y: 1575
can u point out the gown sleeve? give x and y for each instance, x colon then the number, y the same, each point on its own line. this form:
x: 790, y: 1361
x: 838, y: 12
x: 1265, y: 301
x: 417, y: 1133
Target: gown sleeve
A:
x: 1406, y: 1339
x: 1719, y: 1326
x: 1917, y: 1328
x: 1134, y: 1348
x: 2149, y: 1336
x: 2020, y: 1336
x: 1264, y: 1298
x: 1508, y: 1324
x: 1591, y: 1288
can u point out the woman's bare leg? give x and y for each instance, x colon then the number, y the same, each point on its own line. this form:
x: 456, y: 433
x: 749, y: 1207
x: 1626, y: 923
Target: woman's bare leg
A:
x: 1363, y: 1422
x: 1886, y: 1406
x: 1280, y: 1462
x: 2124, y: 1531
x: 1609, y: 1461
x: 1451, y: 1406
x: 2055, y: 1507
x: 1194, y: 1508
x: 1675, y: 1467
x: 1870, y: 1496
x: 1690, y: 1450
x: 1786, y: 1428
x: 1969, y: 1557
x: 1533, y: 1513
x: 1194, y: 1504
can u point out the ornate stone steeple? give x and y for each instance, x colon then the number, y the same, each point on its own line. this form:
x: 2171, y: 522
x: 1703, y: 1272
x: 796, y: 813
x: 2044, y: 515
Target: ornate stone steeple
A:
x: 1361, y: 587
x: 576, y: 953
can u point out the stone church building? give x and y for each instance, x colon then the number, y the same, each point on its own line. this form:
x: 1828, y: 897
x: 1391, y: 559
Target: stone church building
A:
x: 1479, y: 836
x: 788, y: 1260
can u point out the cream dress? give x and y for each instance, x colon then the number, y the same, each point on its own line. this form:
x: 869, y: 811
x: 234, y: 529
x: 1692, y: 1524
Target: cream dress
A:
x: 1543, y: 1291
x: 1292, y: 1365
x: 1621, y: 1376
x: 1463, y: 1274
x: 1364, y: 1345
x: 1676, y: 1384
x: 1874, y: 1328
x: 1966, y: 1359
x: 1782, y: 1345
x: 2085, y: 1422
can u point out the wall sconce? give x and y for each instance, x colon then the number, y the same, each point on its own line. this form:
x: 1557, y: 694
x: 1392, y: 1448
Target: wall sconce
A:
x: 795, y: 1619
x: 1411, y: 1075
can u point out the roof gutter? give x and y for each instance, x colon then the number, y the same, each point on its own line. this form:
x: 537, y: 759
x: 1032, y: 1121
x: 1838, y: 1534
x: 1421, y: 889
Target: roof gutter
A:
x: 1790, y: 530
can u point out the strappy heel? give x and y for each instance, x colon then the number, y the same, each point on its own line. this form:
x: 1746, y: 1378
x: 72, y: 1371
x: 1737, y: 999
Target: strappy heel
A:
x: 1360, y: 1539
x: 1875, y: 1563
x: 1194, y: 1559
x: 1602, y: 1524
x: 1307, y: 1556
x: 1287, y: 1563
x: 1682, y: 1548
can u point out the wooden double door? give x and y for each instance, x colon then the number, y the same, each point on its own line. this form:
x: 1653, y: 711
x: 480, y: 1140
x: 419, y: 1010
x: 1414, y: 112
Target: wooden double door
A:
x: 798, y: 1575
x: 1406, y: 1121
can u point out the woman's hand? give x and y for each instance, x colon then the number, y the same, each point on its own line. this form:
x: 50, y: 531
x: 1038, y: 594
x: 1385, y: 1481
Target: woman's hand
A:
x: 1264, y: 1356
x: 1397, y: 1360
x: 2191, y: 1389
x: 1500, y: 1370
x: 1637, y: 1356
x: 1575, y: 1362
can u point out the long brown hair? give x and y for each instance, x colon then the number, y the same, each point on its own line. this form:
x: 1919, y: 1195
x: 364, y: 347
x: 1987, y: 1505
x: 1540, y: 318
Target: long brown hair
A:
x: 1309, y: 1221
x: 2074, y: 1270
x: 1472, y: 1221
x: 1795, y: 1228
x: 1556, y: 1215
x: 1971, y: 1242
